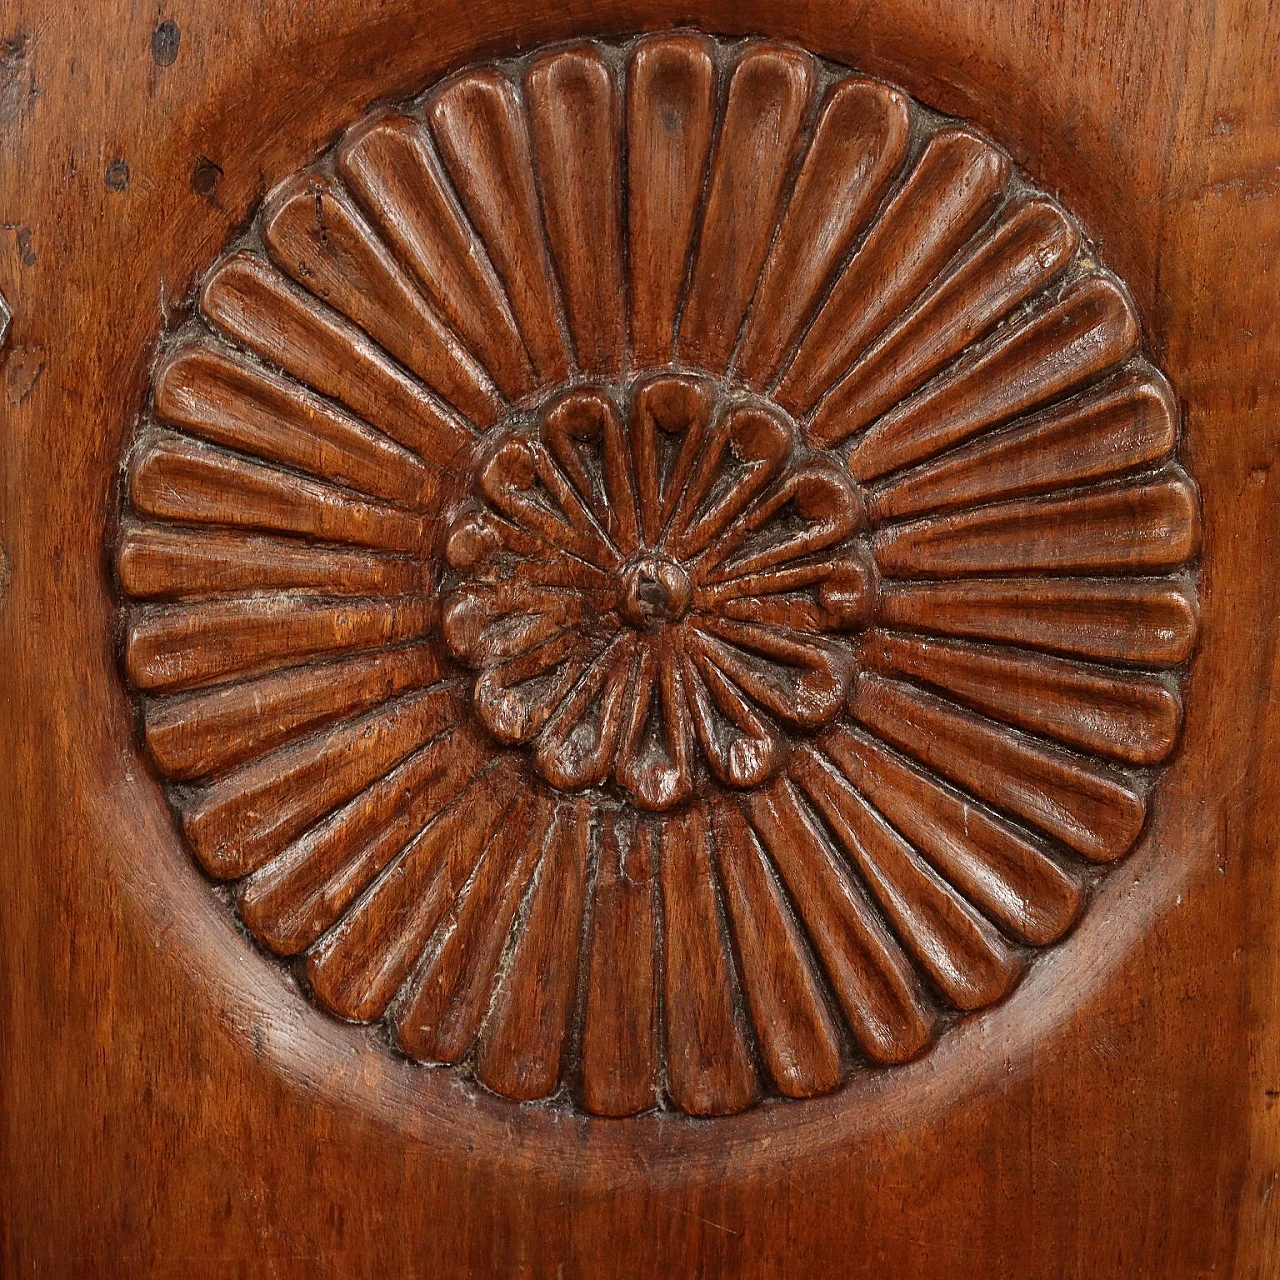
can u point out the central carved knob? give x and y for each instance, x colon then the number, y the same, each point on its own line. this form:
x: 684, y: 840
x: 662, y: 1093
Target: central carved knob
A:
x: 655, y: 591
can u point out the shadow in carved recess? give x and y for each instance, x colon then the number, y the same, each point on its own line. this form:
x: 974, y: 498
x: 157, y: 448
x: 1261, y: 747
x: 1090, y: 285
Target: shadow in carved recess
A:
x: 662, y: 575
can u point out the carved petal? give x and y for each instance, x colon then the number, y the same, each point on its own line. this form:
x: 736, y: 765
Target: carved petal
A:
x: 1091, y: 328
x: 175, y: 563
x: 960, y: 951
x: 768, y: 95
x: 220, y: 397
x: 574, y: 118
x: 655, y: 755
x: 201, y: 733
x: 484, y: 624
x: 292, y: 900
x: 816, y: 495
x: 316, y: 234
x: 1097, y: 812
x: 709, y: 1069
x: 874, y: 982
x: 521, y: 480
x: 948, y: 195
x: 517, y: 697
x: 620, y: 1042
x: 997, y: 867
x: 450, y: 995
x: 482, y: 135
x: 577, y: 747
x: 256, y: 305
x: 360, y: 964
x: 1126, y: 715
x: 190, y: 645
x: 1149, y: 524
x: 803, y: 681
x: 249, y: 815
x: 586, y: 420
x: 797, y: 1036
x: 1148, y: 622
x: 1027, y: 248
x: 741, y: 747
x: 1129, y: 422
x: 177, y: 479
x: 525, y: 1040
x: 746, y: 451
x: 822, y: 593
x: 474, y: 549
x: 678, y: 407
x: 858, y: 144
x: 670, y: 118
x: 394, y: 171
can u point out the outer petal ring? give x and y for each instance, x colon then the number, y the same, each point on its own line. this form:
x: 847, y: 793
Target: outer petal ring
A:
x: 546, y: 328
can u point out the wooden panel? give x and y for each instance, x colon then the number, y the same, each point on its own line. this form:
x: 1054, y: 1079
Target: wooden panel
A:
x: 752, y: 733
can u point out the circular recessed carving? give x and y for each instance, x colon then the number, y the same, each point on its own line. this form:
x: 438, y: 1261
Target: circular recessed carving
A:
x: 659, y: 574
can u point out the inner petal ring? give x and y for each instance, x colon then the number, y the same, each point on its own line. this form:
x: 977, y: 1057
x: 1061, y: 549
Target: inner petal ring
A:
x: 669, y: 579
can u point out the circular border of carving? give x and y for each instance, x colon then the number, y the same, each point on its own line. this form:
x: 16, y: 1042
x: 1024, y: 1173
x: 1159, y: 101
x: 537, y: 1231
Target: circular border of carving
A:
x: 659, y: 573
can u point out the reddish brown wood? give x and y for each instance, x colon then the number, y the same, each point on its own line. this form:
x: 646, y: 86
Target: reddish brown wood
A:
x: 954, y: 186
x: 574, y: 120
x: 798, y: 1037
x: 483, y: 135
x: 858, y: 145
x: 709, y: 1066
x: 450, y: 996
x: 620, y: 1034
x: 393, y: 170
x: 633, y: 698
x: 670, y: 109
x: 768, y: 95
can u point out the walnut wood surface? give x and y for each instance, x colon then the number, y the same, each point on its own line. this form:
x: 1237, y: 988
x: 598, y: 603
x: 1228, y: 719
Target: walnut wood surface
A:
x: 172, y: 1106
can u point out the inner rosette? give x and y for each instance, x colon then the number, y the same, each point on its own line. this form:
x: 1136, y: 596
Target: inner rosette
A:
x: 656, y: 582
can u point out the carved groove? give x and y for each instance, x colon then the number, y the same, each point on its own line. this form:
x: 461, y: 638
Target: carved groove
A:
x: 662, y: 575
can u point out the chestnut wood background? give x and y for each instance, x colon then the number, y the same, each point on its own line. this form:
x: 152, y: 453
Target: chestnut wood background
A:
x: 164, y: 1108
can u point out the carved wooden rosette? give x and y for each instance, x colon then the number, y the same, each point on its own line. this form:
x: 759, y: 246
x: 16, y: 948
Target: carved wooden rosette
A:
x: 661, y: 574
